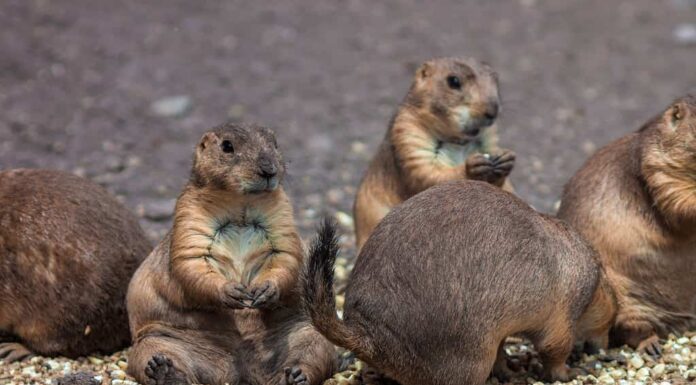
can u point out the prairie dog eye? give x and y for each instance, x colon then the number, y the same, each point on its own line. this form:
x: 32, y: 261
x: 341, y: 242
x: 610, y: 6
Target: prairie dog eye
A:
x: 454, y: 82
x: 227, y: 147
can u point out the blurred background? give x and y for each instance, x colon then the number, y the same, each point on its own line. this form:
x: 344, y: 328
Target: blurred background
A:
x: 120, y: 91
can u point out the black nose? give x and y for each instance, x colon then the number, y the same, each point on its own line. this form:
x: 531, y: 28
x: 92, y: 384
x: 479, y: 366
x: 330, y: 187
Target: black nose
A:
x: 267, y: 169
x: 492, y: 111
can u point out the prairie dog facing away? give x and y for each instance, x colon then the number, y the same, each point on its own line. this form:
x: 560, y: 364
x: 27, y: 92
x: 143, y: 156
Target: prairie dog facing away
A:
x: 216, y: 301
x: 67, y: 252
x: 444, y: 130
x: 635, y: 201
x: 452, y: 272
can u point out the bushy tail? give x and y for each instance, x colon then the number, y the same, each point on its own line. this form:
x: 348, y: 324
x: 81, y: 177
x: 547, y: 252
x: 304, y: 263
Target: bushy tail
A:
x: 319, y: 300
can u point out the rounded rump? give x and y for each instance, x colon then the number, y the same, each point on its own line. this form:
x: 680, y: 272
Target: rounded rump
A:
x: 67, y: 252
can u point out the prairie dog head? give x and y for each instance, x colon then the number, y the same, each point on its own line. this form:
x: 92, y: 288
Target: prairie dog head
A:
x: 674, y: 134
x: 669, y: 159
x: 461, y: 92
x: 239, y: 158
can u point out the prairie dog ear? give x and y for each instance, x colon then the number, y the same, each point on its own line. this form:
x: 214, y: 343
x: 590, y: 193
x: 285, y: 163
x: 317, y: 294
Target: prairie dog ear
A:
x: 425, y: 71
x: 207, y: 140
x: 678, y: 113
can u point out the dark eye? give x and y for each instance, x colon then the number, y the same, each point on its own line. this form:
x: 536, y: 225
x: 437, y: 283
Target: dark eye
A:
x: 227, y: 147
x: 454, y: 82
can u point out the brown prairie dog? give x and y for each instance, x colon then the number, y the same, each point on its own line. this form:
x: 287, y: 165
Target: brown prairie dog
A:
x: 449, y: 274
x: 67, y: 252
x: 444, y: 130
x: 635, y: 201
x: 215, y: 302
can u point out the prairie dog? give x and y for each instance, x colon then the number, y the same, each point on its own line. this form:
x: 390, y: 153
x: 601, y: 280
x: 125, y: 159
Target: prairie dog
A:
x: 449, y: 274
x: 635, y: 201
x: 444, y: 130
x: 67, y: 252
x: 215, y: 302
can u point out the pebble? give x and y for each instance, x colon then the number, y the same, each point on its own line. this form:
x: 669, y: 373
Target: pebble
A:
x: 685, y: 33
x: 344, y: 220
x: 690, y: 374
x: 118, y: 374
x: 95, y: 360
x: 123, y: 382
x: 158, y: 211
x: 636, y: 361
x: 340, y: 273
x: 618, y: 373
x: 643, y: 373
x: 658, y: 370
x: 172, y: 106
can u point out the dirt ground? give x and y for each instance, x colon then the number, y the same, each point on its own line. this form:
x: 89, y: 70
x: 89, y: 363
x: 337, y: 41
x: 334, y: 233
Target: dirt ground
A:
x: 80, y: 81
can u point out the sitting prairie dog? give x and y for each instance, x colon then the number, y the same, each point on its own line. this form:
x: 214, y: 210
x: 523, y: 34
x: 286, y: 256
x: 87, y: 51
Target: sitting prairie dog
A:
x: 444, y: 130
x: 635, y: 201
x: 67, y: 252
x: 449, y: 274
x: 215, y: 302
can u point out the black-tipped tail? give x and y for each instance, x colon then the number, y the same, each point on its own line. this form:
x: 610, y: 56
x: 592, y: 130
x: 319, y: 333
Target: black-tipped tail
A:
x: 319, y: 300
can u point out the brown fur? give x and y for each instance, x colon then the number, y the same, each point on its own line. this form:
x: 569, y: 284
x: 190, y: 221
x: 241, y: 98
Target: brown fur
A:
x: 67, y: 251
x: 216, y: 301
x: 431, y: 140
x: 635, y: 200
x: 452, y: 272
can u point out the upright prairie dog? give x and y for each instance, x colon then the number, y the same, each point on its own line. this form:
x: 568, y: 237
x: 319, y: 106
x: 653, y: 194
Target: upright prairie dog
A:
x: 635, y: 201
x: 215, y: 302
x: 67, y: 252
x: 444, y: 130
x: 449, y: 274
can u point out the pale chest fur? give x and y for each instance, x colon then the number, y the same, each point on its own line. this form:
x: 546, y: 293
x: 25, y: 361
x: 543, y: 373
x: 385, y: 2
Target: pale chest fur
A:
x: 453, y: 155
x: 237, y: 240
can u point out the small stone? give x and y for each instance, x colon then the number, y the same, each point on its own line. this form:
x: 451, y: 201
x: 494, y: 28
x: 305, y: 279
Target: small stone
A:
x: 157, y: 211
x: 344, y: 219
x: 606, y: 379
x: 588, y: 147
x: 636, y: 361
x: 683, y: 341
x: 658, y: 370
x: 340, y: 273
x: 52, y: 365
x: 172, y: 106
x: 95, y: 360
x: 122, y: 364
x: 618, y: 373
x: 643, y: 373
x: 690, y: 374
x: 358, y: 147
x: 118, y: 374
x: 30, y: 371
x: 80, y: 171
x: 685, y: 33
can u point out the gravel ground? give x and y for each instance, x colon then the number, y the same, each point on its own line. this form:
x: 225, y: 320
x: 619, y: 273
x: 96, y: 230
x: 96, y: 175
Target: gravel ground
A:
x: 119, y: 91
